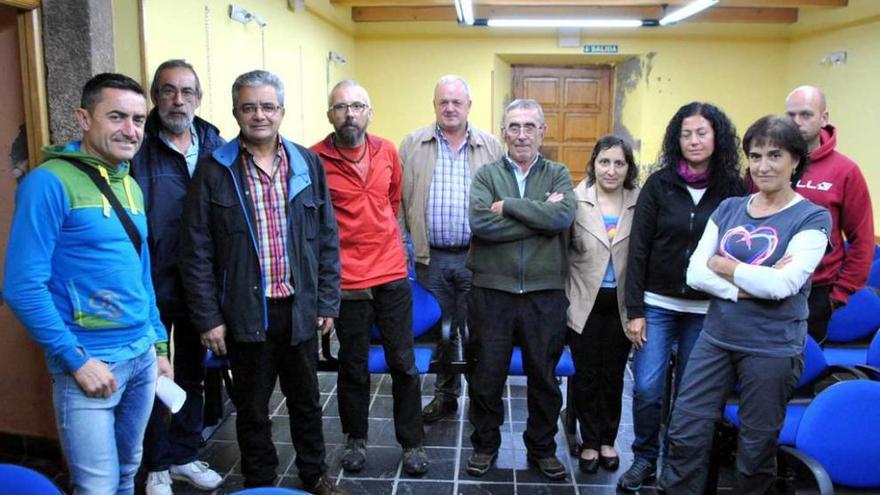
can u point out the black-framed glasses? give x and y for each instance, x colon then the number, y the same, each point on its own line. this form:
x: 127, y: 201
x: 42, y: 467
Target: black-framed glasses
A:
x: 267, y: 108
x: 356, y: 108
x: 170, y: 92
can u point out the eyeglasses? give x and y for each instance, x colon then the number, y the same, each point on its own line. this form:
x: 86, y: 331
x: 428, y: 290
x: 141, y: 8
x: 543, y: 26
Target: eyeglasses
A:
x: 267, y: 108
x: 169, y: 92
x: 356, y: 108
x: 527, y: 129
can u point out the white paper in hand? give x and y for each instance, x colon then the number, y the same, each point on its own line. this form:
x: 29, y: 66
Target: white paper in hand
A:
x: 170, y: 393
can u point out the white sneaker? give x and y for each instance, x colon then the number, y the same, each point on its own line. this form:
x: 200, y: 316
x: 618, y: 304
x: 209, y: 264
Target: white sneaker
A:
x: 159, y: 483
x: 197, y: 474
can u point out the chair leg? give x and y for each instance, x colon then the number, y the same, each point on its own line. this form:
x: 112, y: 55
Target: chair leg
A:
x: 569, y: 421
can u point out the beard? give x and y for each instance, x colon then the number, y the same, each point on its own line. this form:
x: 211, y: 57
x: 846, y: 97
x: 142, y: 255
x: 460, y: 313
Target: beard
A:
x: 350, y: 135
x: 175, y: 123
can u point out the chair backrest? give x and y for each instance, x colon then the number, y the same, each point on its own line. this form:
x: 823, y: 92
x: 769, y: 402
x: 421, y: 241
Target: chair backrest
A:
x: 814, y: 362
x: 874, y: 275
x: 19, y: 480
x: 426, y: 311
x: 873, y: 358
x: 841, y: 430
x: 858, y: 319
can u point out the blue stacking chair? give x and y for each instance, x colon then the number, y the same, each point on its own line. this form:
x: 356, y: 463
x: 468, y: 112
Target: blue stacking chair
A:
x: 874, y: 275
x: 19, y: 480
x: 270, y: 491
x: 852, y: 328
x: 816, y: 370
x: 839, y: 437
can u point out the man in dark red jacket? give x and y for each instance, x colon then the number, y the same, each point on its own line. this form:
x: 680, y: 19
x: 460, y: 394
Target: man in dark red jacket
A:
x: 365, y: 180
x: 834, y: 181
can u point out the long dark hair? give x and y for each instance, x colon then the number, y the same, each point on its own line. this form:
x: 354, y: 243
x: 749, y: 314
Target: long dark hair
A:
x: 608, y: 142
x: 779, y: 131
x: 724, y: 163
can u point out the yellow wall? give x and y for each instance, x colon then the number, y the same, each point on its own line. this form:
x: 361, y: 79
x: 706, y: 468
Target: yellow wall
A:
x: 297, y: 45
x: 851, y: 89
x: 126, y: 38
x: 745, y: 78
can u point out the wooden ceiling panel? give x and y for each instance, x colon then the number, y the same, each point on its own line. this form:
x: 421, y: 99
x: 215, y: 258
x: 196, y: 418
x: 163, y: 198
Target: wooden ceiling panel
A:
x: 727, y: 11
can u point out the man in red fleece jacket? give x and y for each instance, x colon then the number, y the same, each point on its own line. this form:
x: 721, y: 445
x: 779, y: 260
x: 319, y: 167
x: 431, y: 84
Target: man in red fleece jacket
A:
x: 366, y: 180
x: 834, y: 181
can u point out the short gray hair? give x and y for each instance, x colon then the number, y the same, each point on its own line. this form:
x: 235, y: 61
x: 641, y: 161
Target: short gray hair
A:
x: 450, y: 79
x: 255, y: 79
x: 346, y: 83
x: 523, y: 104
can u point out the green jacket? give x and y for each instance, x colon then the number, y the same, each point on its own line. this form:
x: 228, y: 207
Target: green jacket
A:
x: 526, y: 248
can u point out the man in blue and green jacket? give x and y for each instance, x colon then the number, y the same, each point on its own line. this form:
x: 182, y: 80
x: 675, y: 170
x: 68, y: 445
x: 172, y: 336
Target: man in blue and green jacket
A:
x: 84, y: 293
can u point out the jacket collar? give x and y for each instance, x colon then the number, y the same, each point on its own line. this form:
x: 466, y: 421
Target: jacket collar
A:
x: 299, y: 178
x: 203, y: 128
x: 589, y: 194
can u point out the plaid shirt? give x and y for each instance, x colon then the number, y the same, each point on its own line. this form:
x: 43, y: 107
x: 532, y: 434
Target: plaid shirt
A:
x: 269, y: 196
x: 448, y: 200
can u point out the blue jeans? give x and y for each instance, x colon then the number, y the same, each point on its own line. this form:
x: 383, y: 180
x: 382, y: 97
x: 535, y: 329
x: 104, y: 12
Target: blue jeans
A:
x: 666, y: 329
x: 102, y: 438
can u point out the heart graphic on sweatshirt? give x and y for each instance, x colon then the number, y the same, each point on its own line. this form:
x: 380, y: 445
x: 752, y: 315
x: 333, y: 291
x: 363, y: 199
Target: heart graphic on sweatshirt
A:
x: 749, y: 246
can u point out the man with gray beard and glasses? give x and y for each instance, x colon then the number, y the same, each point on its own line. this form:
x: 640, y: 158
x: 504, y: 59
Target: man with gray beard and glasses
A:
x: 174, y: 140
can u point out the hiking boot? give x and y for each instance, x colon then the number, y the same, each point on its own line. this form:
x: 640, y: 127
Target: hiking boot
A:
x: 642, y: 471
x: 354, y: 456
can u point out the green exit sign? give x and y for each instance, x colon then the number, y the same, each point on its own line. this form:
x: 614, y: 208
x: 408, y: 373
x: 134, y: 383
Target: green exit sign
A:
x: 600, y: 49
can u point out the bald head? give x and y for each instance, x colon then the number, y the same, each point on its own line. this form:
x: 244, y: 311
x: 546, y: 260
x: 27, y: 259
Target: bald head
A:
x: 806, y: 106
x: 349, y: 112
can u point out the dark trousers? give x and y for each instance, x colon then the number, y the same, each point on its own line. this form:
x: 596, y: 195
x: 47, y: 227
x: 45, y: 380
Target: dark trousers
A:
x: 255, y: 368
x: 391, y: 309
x: 819, y: 304
x: 176, y: 439
x: 766, y: 385
x: 449, y: 281
x: 599, y: 354
x: 536, y: 320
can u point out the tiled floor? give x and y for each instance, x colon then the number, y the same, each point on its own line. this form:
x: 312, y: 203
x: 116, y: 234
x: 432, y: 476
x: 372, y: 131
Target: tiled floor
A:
x: 447, y: 443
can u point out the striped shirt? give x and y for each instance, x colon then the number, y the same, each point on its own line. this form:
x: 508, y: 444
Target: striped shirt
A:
x: 269, y: 195
x: 448, y: 199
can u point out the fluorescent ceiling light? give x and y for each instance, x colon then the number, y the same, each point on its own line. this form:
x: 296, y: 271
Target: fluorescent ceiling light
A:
x: 687, y: 11
x: 561, y: 23
x: 464, y: 9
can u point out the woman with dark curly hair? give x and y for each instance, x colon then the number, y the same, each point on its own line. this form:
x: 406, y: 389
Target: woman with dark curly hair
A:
x: 755, y: 258
x: 597, y: 253
x: 699, y: 167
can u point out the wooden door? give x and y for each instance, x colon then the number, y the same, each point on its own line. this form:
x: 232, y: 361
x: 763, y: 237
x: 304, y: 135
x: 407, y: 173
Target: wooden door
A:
x: 577, y: 109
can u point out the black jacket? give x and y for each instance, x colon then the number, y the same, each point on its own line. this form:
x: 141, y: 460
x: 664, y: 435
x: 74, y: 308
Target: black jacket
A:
x: 164, y: 179
x: 219, y: 262
x: 666, y: 229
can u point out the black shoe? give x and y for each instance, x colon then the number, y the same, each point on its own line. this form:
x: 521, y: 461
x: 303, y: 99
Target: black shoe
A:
x: 438, y: 409
x: 415, y: 461
x: 549, y: 467
x: 354, y: 456
x: 641, y: 472
x: 325, y: 486
x: 588, y: 466
x: 611, y: 463
x: 478, y: 464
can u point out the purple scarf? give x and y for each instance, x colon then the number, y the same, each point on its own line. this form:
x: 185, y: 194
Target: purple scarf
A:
x: 697, y: 180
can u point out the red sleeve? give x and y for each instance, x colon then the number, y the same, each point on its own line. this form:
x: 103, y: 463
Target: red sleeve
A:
x: 395, y: 188
x: 857, y: 223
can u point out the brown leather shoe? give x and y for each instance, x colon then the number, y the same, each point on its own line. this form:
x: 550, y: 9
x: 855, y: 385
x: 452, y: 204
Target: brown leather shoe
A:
x: 438, y: 409
x: 325, y: 486
x: 549, y: 467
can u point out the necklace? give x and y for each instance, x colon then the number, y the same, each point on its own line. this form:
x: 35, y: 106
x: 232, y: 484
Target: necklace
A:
x: 349, y: 160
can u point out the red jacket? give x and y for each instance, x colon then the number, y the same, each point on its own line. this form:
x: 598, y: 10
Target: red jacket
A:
x: 371, y: 251
x: 834, y: 181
